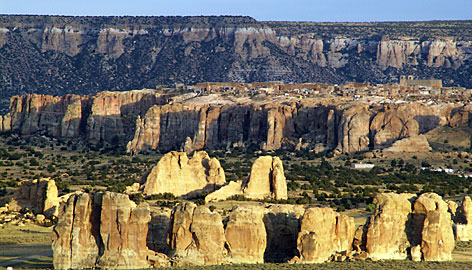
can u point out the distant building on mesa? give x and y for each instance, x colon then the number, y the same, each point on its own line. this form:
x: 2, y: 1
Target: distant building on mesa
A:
x: 410, y: 81
x: 362, y: 166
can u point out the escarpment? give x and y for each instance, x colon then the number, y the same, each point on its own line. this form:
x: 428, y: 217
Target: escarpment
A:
x: 146, y: 121
x: 108, y: 230
x: 73, y: 54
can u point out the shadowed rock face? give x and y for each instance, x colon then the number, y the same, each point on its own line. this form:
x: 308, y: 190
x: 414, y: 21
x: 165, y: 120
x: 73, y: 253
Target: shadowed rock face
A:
x: 144, y: 121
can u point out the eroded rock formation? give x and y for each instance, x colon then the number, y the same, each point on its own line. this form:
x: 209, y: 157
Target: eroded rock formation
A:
x: 39, y: 195
x: 107, y: 230
x: 177, y: 174
x: 324, y: 233
x: 267, y: 180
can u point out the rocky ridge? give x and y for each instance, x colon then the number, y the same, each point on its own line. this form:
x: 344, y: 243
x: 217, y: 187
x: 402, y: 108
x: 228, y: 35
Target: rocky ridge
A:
x: 403, y: 226
x: 71, y: 55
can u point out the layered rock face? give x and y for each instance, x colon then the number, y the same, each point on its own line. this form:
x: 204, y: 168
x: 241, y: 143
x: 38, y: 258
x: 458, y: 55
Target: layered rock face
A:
x: 141, y: 119
x: 40, y: 195
x: 177, y: 174
x: 97, y: 118
x: 387, y: 230
x: 115, y: 53
x: 323, y: 233
x: 267, y: 180
x: 105, y: 230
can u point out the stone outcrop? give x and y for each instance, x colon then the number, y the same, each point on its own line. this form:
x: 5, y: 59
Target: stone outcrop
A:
x: 246, y: 235
x: 463, y: 219
x: 177, y: 174
x: 387, y: 236
x: 107, y: 230
x: 39, y: 195
x: 324, y: 233
x: 146, y: 121
x: 437, y: 237
x: 417, y: 143
x: 404, y: 225
x: 197, y: 236
x: 104, y: 230
x: 267, y: 180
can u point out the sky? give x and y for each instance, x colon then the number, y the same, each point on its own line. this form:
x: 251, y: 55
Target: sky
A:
x: 277, y: 10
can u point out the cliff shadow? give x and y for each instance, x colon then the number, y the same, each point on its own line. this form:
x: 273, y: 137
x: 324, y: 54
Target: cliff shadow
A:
x: 158, y: 230
x: 282, y: 234
x: 427, y: 122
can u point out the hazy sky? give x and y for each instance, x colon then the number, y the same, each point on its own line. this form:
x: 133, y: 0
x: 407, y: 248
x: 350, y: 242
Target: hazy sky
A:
x: 291, y: 10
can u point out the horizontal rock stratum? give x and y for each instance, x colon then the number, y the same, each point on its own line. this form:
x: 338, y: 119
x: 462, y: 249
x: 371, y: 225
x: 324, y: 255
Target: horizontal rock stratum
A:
x: 67, y: 55
x: 108, y: 230
x: 146, y: 121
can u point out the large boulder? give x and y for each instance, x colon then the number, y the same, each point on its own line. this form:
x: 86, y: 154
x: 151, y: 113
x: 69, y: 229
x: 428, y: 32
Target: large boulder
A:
x: 437, y: 237
x: 177, y: 174
x: 267, y: 179
x: 324, y: 233
x: 39, y: 195
x: 387, y: 230
x: 246, y: 235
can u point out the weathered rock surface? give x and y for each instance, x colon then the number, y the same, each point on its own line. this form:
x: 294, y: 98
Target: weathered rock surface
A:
x: 123, y: 230
x: 197, y: 236
x: 267, y: 180
x: 463, y: 219
x: 177, y: 174
x: 39, y: 195
x: 246, y: 235
x: 106, y: 230
x: 387, y: 236
x: 411, y: 144
x: 437, y: 237
x: 97, y: 118
x: 323, y: 233
x: 77, y: 234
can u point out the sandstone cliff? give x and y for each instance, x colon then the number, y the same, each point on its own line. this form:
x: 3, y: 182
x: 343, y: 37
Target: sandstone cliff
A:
x: 177, y: 174
x: 323, y: 233
x: 147, y: 122
x: 96, y: 118
x: 105, y: 230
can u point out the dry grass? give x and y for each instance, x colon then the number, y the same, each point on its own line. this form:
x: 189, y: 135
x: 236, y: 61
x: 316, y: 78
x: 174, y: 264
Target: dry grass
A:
x: 28, y: 234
